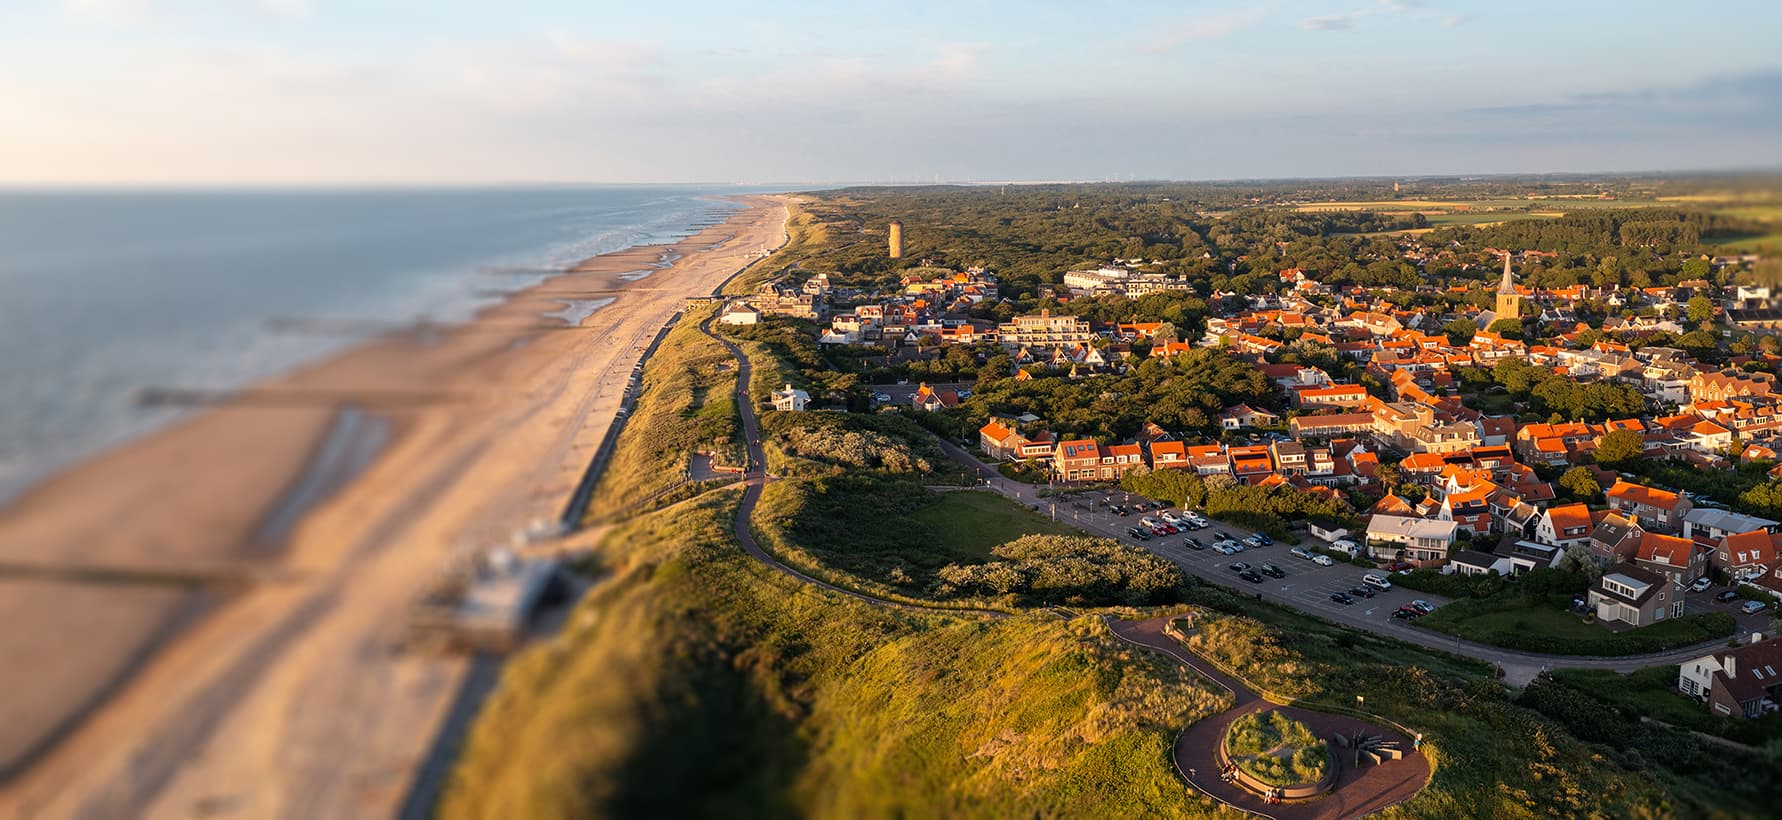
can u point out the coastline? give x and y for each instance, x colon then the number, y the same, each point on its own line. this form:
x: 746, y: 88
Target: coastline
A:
x: 449, y: 476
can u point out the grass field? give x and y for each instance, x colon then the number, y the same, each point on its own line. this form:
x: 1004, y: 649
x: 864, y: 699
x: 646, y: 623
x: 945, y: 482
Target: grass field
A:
x: 1652, y: 692
x: 969, y: 523
x: 1512, y: 621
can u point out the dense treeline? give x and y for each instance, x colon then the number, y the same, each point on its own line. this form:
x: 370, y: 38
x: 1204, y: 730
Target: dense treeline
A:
x: 1182, y: 394
x: 1553, y: 395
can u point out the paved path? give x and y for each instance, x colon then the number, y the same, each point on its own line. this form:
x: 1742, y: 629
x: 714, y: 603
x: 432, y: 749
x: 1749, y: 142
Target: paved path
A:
x: 756, y: 478
x: 1308, y: 591
x: 1357, y: 793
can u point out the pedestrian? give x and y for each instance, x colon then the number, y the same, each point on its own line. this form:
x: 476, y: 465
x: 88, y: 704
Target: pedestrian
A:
x: 1191, y: 774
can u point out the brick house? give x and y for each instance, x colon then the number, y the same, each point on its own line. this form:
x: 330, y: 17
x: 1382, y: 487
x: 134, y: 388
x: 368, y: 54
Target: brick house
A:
x: 1655, y: 508
x: 1634, y: 596
x: 1745, y: 682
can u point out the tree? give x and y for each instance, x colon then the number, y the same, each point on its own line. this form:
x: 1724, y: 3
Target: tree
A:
x: 1507, y: 328
x: 1700, y: 310
x: 1460, y: 331
x: 1581, y: 483
x: 1620, y: 448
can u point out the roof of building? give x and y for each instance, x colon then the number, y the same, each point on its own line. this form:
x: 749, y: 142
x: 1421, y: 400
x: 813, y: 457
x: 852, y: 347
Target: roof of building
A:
x: 1665, y: 549
x: 1406, y: 527
x: 1473, y: 558
x: 1647, y: 582
x: 1568, y: 516
x: 1641, y: 494
x: 1727, y: 520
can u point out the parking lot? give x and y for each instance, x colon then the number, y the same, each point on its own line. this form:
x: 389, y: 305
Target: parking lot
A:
x: 1306, y: 586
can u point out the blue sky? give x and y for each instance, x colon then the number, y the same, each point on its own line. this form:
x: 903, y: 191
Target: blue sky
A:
x: 453, y: 91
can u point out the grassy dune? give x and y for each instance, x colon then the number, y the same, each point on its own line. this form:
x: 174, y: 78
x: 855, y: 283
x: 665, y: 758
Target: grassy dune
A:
x: 686, y: 404
x: 694, y: 681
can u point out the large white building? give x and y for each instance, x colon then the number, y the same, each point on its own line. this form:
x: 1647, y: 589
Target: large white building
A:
x: 1044, y: 330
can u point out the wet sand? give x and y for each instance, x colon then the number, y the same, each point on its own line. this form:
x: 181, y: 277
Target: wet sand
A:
x: 290, y: 695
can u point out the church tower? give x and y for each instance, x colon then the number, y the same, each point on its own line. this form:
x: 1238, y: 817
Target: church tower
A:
x: 1509, y: 304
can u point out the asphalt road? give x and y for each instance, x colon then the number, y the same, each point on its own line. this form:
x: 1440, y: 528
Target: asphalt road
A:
x: 1308, y: 586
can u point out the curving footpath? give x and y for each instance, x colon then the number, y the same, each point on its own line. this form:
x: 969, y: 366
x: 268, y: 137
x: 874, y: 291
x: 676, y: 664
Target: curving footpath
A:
x: 1357, y: 793
x: 756, y: 478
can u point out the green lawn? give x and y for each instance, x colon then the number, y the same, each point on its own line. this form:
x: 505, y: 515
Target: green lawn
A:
x: 969, y: 523
x: 1513, y: 621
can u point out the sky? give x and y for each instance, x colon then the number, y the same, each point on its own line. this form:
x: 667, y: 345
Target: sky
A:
x: 445, y: 92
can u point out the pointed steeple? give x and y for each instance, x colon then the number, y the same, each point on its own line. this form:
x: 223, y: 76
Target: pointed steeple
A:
x: 1509, y: 304
x: 1505, y: 286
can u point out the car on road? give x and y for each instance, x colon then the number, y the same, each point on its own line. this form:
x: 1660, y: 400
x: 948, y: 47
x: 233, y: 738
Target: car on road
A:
x: 1701, y: 584
x: 1728, y: 595
x: 1239, y: 566
x: 1361, y: 591
x: 1271, y: 571
x: 1342, y: 598
x: 1301, y: 552
x: 1377, y: 581
x: 1752, y: 607
x: 1422, y: 606
x: 1323, y: 561
x: 1253, y: 541
x: 881, y: 398
x: 1251, y: 575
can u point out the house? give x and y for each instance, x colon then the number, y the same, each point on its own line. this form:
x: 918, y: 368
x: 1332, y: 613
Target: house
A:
x: 1077, y: 460
x: 998, y: 441
x: 790, y: 399
x: 1745, y: 682
x: 1679, y: 559
x: 1044, y: 330
x: 1119, y: 459
x: 1708, y: 524
x: 738, y: 313
x: 1634, y: 596
x: 1527, y: 555
x: 1655, y: 508
x: 1748, y: 554
x: 1615, y: 539
x: 1168, y: 455
x: 929, y: 399
x: 1421, y: 540
x: 1564, y: 526
x: 1244, y: 415
x: 1467, y: 563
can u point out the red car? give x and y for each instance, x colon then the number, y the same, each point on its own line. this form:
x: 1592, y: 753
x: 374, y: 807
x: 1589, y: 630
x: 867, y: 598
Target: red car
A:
x: 1399, y: 566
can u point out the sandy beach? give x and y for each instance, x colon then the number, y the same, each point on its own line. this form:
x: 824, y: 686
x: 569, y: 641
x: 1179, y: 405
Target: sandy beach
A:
x: 166, y: 660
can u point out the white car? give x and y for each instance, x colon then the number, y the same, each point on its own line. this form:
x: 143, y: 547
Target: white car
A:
x: 1170, y: 516
x: 1148, y: 521
x: 1195, y: 517
x: 1377, y: 581
x: 1323, y: 560
x: 1301, y: 552
x: 1701, y: 584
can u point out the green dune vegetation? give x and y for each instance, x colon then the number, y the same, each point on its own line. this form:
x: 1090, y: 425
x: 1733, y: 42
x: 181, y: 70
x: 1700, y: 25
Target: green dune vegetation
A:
x: 1277, y: 749
x: 685, y: 405
x: 694, y: 681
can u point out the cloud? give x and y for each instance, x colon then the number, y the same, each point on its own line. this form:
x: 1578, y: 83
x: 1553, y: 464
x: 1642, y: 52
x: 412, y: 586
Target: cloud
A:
x: 1210, y: 27
x: 282, y: 9
x: 1456, y: 20
x: 1399, y: 6
x: 1332, y: 22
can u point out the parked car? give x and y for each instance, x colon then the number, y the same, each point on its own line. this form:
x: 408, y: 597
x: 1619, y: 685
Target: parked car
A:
x: 1342, y: 598
x: 1253, y: 541
x: 1376, y: 580
x: 1224, y: 549
x: 1752, y: 607
x: 1301, y: 552
x: 1362, y: 591
x: 1191, y: 541
x: 1263, y: 537
x: 1701, y: 584
x: 1400, y: 566
x: 1344, y: 545
x: 1118, y: 510
x: 1239, y: 566
x: 1195, y: 517
x: 1271, y: 571
x: 1149, y: 522
x: 1728, y: 595
x: 1251, y: 575
x: 1323, y: 560
x: 1406, y: 614
x: 1422, y: 606
x: 1170, y: 516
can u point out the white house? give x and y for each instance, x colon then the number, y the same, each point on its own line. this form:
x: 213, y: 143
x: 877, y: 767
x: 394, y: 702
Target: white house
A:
x: 1564, y: 526
x: 790, y: 399
x: 737, y: 313
x: 1422, y: 539
x: 1714, y: 525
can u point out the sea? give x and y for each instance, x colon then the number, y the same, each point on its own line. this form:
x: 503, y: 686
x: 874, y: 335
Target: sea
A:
x: 103, y: 294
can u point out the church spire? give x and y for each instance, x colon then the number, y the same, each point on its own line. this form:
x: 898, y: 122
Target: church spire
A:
x: 1505, y: 286
x: 1509, y: 304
